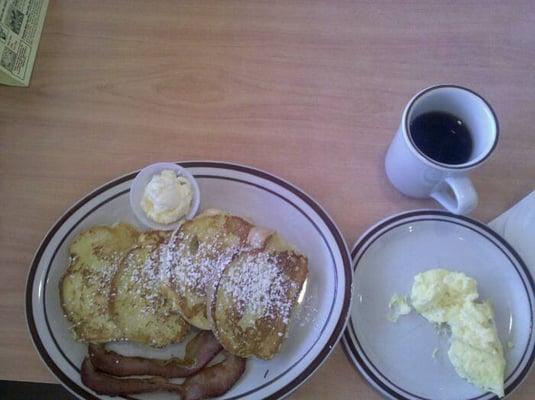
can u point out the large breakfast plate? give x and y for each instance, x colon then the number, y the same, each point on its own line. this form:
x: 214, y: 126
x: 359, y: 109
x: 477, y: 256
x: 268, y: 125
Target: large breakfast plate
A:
x: 397, y: 358
x: 269, y: 201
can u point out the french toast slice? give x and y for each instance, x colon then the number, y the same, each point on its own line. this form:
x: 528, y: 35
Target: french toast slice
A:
x: 95, y: 255
x: 253, y: 301
x: 197, y: 252
x: 141, y: 303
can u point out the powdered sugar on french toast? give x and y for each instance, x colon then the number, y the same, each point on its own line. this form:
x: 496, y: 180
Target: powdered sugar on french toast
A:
x: 258, y: 287
x: 258, y: 236
x: 100, y: 279
x: 198, y: 271
x: 143, y: 282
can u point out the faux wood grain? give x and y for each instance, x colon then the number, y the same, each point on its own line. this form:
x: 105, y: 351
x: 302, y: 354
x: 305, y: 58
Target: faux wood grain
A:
x: 311, y: 91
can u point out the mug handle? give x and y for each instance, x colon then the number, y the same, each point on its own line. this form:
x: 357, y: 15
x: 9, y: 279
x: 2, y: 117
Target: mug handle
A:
x: 457, y: 194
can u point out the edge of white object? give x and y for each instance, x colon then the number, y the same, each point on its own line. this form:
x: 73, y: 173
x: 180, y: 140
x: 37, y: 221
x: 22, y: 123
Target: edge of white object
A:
x: 517, y: 226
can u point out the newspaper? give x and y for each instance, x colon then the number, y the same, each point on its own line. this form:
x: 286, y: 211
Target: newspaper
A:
x: 21, y: 22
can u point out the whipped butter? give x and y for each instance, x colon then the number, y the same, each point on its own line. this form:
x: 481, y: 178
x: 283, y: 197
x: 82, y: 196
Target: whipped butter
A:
x: 167, y: 198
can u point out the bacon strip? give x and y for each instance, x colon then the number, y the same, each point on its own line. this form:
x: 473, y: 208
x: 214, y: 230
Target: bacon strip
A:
x: 107, y: 384
x: 215, y: 380
x: 209, y: 382
x: 199, y: 351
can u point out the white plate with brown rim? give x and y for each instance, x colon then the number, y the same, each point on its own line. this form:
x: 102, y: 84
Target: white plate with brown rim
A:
x: 265, y: 199
x: 408, y: 360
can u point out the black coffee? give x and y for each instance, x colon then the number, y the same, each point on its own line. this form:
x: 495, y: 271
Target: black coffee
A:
x: 442, y: 137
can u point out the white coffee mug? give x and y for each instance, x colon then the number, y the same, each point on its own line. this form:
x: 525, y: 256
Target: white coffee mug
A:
x: 416, y: 174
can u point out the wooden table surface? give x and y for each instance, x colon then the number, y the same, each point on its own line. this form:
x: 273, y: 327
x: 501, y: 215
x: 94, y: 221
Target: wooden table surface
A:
x: 310, y: 91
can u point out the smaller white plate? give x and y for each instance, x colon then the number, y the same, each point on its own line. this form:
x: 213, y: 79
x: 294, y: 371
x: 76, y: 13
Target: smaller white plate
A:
x: 396, y: 358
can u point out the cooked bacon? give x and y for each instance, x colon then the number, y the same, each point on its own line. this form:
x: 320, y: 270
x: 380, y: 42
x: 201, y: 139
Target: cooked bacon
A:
x: 110, y: 385
x: 199, y: 351
x: 209, y: 382
x: 215, y: 380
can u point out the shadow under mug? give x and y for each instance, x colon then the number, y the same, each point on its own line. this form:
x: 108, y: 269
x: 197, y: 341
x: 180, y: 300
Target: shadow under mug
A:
x: 415, y: 174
